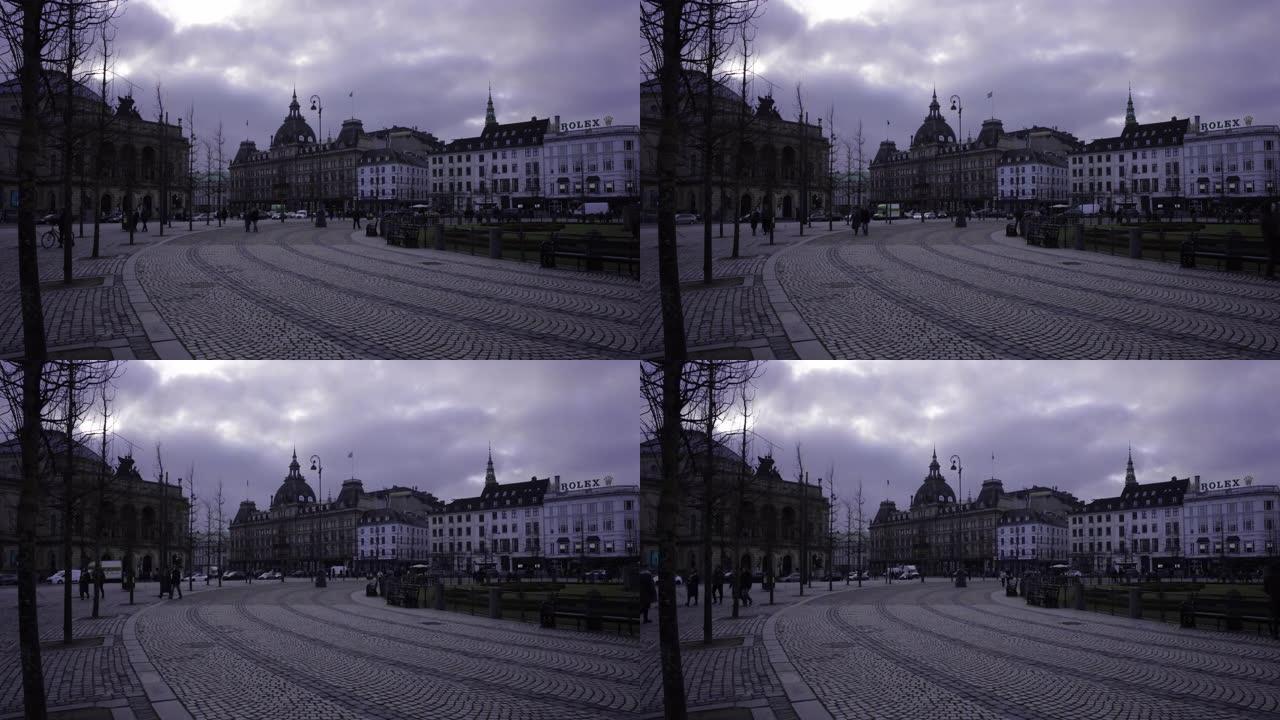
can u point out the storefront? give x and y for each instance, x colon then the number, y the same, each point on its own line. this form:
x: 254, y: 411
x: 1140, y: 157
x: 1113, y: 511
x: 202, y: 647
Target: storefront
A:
x: 1232, y: 526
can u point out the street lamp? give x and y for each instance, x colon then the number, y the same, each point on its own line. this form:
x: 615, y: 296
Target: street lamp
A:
x: 958, y: 107
x: 318, y: 106
x: 959, y: 468
x: 318, y: 466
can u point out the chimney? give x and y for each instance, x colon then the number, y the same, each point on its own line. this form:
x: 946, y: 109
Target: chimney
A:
x: 1195, y: 126
x: 555, y: 127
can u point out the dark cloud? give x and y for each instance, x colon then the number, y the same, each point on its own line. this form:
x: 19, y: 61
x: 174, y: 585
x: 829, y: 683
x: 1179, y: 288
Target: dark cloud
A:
x: 1058, y: 64
x: 1060, y: 424
x: 423, y: 424
x: 412, y: 63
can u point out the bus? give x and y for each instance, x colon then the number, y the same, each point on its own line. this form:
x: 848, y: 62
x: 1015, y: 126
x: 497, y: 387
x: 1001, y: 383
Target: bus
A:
x: 111, y: 569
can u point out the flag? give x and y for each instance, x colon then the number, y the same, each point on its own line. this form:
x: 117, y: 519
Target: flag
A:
x: 989, y: 95
x: 351, y: 454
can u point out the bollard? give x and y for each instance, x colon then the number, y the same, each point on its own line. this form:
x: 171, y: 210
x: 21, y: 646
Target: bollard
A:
x: 1232, y: 260
x: 495, y: 243
x: 1135, y: 603
x: 438, y: 236
x: 1078, y: 233
x: 1080, y: 596
x: 439, y: 596
x: 1234, y: 622
x: 495, y: 603
x: 1135, y: 243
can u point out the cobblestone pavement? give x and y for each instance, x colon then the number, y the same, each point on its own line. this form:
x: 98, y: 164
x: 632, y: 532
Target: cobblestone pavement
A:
x: 917, y: 290
x: 79, y: 318
x: 295, y: 291
x: 930, y: 650
x: 98, y: 674
x: 289, y: 650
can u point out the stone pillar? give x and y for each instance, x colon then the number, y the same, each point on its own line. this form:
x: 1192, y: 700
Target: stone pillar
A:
x: 437, y: 236
x: 439, y: 604
x: 1135, y: 603
x: 495, y: 603
x: 1079, y: 599
x: 1077, y: 232
x: 495, y: 243
x: 1135, y: 242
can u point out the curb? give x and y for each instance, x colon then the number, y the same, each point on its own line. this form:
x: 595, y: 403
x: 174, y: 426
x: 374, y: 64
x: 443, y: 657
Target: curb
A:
x: 799, y: 334
x: 165, y: 344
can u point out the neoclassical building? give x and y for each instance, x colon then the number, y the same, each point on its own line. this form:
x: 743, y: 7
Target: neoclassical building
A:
x: 135, y: 155
x: 769, y: 511
x: 135, y: 515
x: 776, y: 155
x: 941, y: 171
x: 299, y: 531
x: 940, y: 533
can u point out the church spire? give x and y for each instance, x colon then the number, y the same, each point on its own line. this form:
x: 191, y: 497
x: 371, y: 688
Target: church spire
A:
x: 1130, y: 119
x: 489, y: 477
x: 490, y: 119
x: 1130, y: 479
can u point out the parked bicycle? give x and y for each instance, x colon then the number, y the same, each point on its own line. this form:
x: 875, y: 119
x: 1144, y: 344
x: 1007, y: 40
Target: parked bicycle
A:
x: 53, y: 236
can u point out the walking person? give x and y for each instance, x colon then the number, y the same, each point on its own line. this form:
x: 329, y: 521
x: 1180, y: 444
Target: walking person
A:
x: 146, y: 215
x: 865, y: 214
x: 691, y: 590
x: 1270, y: 222
x: 355, y: 220
x: 744, y: 587
x: 84, y: 584
x: 248, y: 218
x: 255, y: 219
x: 718, y: 597
x: 175, y: 581
x: 100, y: 583
x: 648, y: 594
x: 755, y: 220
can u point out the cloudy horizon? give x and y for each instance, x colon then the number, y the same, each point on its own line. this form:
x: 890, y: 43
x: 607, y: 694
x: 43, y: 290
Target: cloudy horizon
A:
x: 414, y: 424
x: 1047, y: 64
x: 413, y: 64
x: 1062, y: 424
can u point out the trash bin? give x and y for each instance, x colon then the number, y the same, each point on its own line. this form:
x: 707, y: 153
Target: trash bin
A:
x: 547, y: 614
x: 547, y: 254
x: 371, y: 590
x: 1011, y: 230
x: 961, y: 580
x: 371, y: 229
x: 1187, y: 614
x: 1011, y: 588
x: 1187, y: 254
x: 321, y: 581
x: 961, y: 222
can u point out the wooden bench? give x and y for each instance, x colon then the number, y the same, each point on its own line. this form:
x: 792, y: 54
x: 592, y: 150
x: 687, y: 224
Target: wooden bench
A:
x: 1230, y: 612
x: 593, y: 252
x: 596, y: 612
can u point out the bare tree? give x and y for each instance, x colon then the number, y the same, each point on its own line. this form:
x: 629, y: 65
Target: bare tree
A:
x: 191, y: 175
x: 163, y: 120
x: 191, y: 509
x: 743, y: 126
x: 804, y: 161
x: 804, y: 522
x: 100, y: 150
x: 832, y: 148
x: 858, y: 502
x: 104, y: 394
x: 219, y: 500
x: 745, y: 396
x: 219, y: 141
x: 859, y: 141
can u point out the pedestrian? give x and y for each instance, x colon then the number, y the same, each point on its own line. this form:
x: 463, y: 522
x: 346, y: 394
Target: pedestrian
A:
x: 1270, y: 223
x: 255, y: 219
x: 691, y: 590
x: 1271, y: 585
x: 355, y: 220
x: 146, y: 215
x: 755, y: 220
x: 84, y: 584
x: 248, y: 218
x: 865, y: 214
x: 100, y: 582
x: 718, y: 596
x: 648, y: 593
x: 175, y: 581
x: 921, y: 578
x: 744, y: 586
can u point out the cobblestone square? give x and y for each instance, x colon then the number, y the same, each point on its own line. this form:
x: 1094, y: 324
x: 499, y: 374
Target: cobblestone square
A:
x: 295, y: 291
x: 912, y: 290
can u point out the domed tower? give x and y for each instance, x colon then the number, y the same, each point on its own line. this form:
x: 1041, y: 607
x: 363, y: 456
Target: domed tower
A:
x: 934, y: 489
x: 934, y: 129
x: 294, y: 129
x: 294, y: 489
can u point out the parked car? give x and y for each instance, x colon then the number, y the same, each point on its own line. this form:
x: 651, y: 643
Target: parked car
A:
x: 818, y: 217
x: 916, y: 216
x: 942, y: 214
x: 299, y: 574
x: 931, y: 215
x: 855, y: 575
x: 8, y: 579
x: 233, y: 575
x: 50, y: 219
x: 1075, y: 573
x: 686, y: 218
x: 793, y: 577
x: 196, y: 577
x: 60, y: 577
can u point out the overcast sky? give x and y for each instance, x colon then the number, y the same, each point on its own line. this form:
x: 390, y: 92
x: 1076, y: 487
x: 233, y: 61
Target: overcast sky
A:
x: 1063, y: 424
x: 424, y: 424
x: 1047, y: 63
x: 424, y: 63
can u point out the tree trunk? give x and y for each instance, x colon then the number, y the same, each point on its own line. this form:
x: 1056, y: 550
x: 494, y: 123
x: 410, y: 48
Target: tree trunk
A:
x: 708, y: 142
x: 68, y: 502
x: 708, y: 495
x: 68, y: 154
x: 673, y: 337
x: 673, y: 692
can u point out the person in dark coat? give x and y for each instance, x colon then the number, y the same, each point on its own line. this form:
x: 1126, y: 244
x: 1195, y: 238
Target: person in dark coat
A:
x: 146, y: 215
x: 1270, y: 223
x: 715, y: 586
x: 84, y: 584
x: 755, y: 220
x: 255, y: 215
x: 100, y: 583
x: 744, y: 586
x: 691, y: 590
x: 1271, y: 585
x: 865, y: 214
x: 648, y: 594
x: 175, y: 581
x: 248, y: 218
x: 355, y: 219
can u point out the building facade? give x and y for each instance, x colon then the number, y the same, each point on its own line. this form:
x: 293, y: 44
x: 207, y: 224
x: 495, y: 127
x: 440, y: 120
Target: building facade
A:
x: 591, y: 524
x: 590, y: 160
x: 940, y: 535
x: 499, y: 530
x: 1031, y: 540
x: 940, y: 172
x: 1031, y: 178
x: 391, y: 539
x: 1139, y: 530
x: 1231, y: 526
x: 777, y: 523
x: 1230, y: 164
x: 138, y: 156
x: 140, y: 521
x: 300, y: 532
x: 392, y: 179
x: 779, y: 165
x: 1141, y: 169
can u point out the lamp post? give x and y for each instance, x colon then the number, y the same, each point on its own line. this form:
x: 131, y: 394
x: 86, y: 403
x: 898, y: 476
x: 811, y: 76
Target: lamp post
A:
x: 959, y: 468
x: 318, y: 466
x: 318, y: 106
x: 958, y: 107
